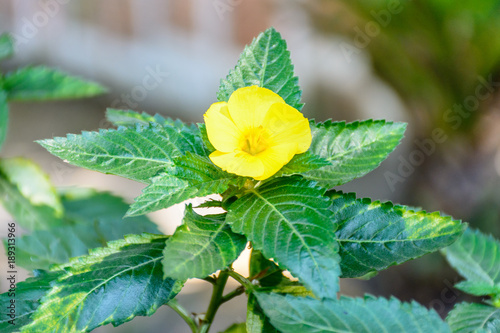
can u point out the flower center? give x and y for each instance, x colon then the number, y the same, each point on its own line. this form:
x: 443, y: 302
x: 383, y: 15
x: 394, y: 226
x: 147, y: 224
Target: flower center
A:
x: 254, y: 141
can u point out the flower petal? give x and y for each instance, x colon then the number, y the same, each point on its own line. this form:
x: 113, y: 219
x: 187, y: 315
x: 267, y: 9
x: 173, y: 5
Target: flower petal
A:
x: 274, y: 158
x: 239, y: 163
x: 286, y: 124
x: 221, y: 130
x: 248, y: 106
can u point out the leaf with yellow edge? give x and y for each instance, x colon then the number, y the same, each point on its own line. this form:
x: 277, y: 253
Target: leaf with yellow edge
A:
x: 361, y: 315
x: 111, y: 285
x: 375, y: 235
x: 26, y: 296
x: 28, y: 195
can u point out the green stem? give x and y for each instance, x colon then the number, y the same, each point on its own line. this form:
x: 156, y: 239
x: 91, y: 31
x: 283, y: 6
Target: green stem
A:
x: 210, y: 280
x: 215, y: 301
x: 241, y: 279
x: 184, y: 314
x: 238, y: 291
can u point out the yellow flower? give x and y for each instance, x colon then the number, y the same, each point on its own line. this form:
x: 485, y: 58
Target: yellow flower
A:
x: 255, y: 133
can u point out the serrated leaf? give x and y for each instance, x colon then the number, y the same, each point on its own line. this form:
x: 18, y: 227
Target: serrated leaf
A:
x: 352, y: 149
x: 111, y: 285
x: 28, y: 195
x: 136, y: 153
x: 43, y: 248
x: 303, y: 162
x: 478, y: 288
x: 204, y: 137
x: 476, y: 257
x: 42, y: 83
x: 27, y: 295
x: 308, y: 315
x: 200, y: 246
x: 374, y: 235
x: 4, y: 116
x: 32, y: 182
x: 257, y: 321
x: 472, y: 317
x: 210, y: 204
x: 6, y: 46
x: 288, y: 219
x: 131, y: 118
x: 265, y: 63
x: 191, y: 176
x: 93, y: 220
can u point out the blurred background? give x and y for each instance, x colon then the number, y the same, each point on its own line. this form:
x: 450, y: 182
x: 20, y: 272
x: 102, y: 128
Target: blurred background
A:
x: 434, y: 64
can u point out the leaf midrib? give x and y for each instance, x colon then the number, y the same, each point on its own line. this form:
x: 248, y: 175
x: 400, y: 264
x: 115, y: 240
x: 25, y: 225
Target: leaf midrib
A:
x: 98, y: 286
x: 476, y: 264
x: 346, y: 240
x: 316, y: 265
x: 135, y: 158
x: 488, y: 317
x: 266, y: 56
x: 204, y: 247
x: 360, y: 147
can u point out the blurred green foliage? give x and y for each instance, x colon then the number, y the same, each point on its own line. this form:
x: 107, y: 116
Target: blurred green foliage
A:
x: 432, y: 52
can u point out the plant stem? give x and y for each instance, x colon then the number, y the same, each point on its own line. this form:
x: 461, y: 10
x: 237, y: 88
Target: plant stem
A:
x: 215, y: 301
x: 184, y: 314
x: 238, y: 291
x: 210, y: 279
x: 241, y: 279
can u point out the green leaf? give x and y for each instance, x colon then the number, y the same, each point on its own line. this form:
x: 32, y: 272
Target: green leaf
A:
x: 266, y: 271
x: 200, y: 246
x: 204, y: 137
x: 26, y: 295
x: 87, y: 206
x: 352, y: 149
x: 264, y: 63
x: 288, y: 219
x: 210, y: 203
x: 191, y: 176
x: 271, y: 278
x: 303, y: 162
x: 6, y: 46
x: 43, y: 248
x: 470, y: 317
x: 111, y: 285
x: 257, y: 321
x: 136, y: 153
x: 478, y: 288
x: 42, y: 83
x: 308, y: 315
x: 28, y: 195
x: 477, y: 258
x: 93, y: 220
x: 375, y: 235
x: 236, y: 328
x: 4, y: 117
x: 130, y: 118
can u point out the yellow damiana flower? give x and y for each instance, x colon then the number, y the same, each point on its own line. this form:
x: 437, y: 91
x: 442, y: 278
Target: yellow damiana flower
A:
x: 255, y: 133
